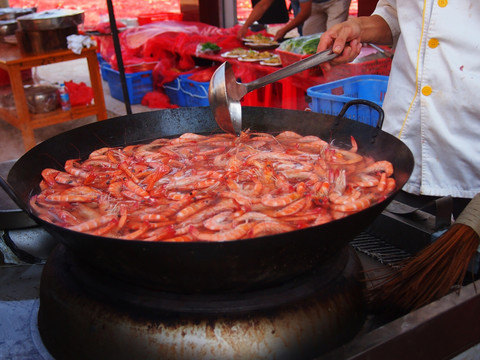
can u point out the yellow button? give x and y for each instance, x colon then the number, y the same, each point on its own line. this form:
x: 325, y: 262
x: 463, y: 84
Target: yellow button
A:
x: 427, y: 90
x: 433, y: 43
x: 442, y: 3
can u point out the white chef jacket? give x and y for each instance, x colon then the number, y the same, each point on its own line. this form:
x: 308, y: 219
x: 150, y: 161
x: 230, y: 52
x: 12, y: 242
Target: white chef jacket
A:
x: 433, y: 97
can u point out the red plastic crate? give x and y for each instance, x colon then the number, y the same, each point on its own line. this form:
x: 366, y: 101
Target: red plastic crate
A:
x: 160, y: 16
x: 281, y: 94
x: 380, y: 66
x: 289, y: 58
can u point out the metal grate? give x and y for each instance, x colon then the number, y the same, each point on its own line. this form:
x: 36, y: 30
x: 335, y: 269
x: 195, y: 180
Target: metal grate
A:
x: 380, y: 250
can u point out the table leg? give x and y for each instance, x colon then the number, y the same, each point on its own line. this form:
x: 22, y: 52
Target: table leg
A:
x: 23, y: 115
x: 97, y: 87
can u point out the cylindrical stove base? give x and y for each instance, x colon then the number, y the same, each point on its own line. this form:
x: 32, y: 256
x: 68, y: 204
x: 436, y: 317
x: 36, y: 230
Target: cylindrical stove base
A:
x: 85, y: 324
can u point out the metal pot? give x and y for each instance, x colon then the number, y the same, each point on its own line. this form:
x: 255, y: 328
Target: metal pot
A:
x: 13, y: 13
x: 8, y: 27
x: 204, y: 266
x: 51, y: 20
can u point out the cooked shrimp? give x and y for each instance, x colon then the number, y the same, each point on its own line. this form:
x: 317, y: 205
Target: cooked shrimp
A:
x: 275, y: 201
x: 236, y: 233
x: 355, y: 205
x: 93, y: 223
x: 219, y: 221
x: 211, y: 188
x: 270, y: 228
x: 71, y: 167
x: 192, y: 209
x: 380, y: 166
x: 71, y: 198
x: 290, y: 209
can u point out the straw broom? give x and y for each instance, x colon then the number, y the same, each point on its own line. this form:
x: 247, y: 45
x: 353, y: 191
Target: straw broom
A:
x: 434, y: 272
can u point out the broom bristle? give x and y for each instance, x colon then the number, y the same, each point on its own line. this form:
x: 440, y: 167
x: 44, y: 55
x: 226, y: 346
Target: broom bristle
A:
x: 431, y: 274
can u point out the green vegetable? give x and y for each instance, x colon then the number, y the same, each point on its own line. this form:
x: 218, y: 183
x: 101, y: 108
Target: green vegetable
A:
x: 304, y: 45
x: 208, y: 46
x: 310, y: 46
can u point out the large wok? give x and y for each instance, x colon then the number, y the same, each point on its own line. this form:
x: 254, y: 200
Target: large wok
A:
x: 204, y: 266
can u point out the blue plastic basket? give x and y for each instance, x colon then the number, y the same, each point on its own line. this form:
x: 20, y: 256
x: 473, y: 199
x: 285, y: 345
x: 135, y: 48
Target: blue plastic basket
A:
x: 329, y: 98
x: 103, y: 72
x: 138, y: 84
x: 100, y: 59
x: 172, y: 90
x: 194, y: 92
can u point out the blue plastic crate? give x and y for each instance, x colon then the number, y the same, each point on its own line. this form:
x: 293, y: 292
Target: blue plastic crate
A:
x: 172, y: 90
x: 103, y: 72
x: 138, y: 84
x: 194, y: 92
x: 100, y: 59
x: 329, y: 98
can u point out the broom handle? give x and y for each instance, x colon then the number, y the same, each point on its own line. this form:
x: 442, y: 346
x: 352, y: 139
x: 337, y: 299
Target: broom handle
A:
x: 470, y: 216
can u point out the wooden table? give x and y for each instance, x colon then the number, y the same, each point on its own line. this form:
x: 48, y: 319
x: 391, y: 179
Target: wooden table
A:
x: 14, y: 61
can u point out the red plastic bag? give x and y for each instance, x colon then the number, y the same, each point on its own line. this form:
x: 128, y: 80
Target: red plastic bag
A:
x: 203, y: 75
x: 104, y: 27
x: 229, y: 42
x: 136, y: 37
x: 80, y: 94
x: 158, y: 45
x: 157, y: 100
x: 164, y: 72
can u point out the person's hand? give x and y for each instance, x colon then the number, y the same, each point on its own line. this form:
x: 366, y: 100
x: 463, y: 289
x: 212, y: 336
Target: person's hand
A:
x: 242, y: 33
x: 344, y: 40
x: 280, y: 34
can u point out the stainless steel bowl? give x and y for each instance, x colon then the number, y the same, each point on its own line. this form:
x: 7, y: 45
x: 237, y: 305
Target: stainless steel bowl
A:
x: 42, y: 98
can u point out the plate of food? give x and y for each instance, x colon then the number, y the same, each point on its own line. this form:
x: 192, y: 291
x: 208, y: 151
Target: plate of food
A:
x: 262, y: 46
x: 272, y: 61
x: 254, y: 55
x: 260, y: 39
x: 235, y: 53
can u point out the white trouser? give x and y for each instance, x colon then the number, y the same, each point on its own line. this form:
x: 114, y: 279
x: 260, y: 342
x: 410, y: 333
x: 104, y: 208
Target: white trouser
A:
x: 326, y: 14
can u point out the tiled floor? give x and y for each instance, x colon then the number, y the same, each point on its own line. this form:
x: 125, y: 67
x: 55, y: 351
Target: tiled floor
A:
x: 11, y: 145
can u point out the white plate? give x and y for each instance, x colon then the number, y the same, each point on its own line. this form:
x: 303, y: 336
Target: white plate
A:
x: 248, y: 59
x: 258, y: 41
x: 242, y: 58
x: 228, y: 55
x: 270, y: 64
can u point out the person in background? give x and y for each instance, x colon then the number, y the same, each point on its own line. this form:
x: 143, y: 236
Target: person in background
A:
x: 302, y: 9
x: 261, y: 13
x: 431, y: 101
x: 324, y: 14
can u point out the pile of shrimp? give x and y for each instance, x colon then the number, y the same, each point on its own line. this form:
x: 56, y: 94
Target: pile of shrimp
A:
x: 211, y: 187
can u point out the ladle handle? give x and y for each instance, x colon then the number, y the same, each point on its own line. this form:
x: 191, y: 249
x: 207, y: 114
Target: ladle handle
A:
x: 292, y: 69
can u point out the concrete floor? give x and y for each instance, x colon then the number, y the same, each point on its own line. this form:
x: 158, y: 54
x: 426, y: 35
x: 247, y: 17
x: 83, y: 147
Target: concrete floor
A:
x: 11, y: 144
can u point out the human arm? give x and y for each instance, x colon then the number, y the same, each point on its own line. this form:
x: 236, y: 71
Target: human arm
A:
x: 346, y: 38
x: 257, y: 12
x: 303, y: 14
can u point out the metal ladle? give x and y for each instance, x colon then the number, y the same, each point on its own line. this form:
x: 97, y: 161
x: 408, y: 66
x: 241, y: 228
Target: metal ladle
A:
x: 225, y: 92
